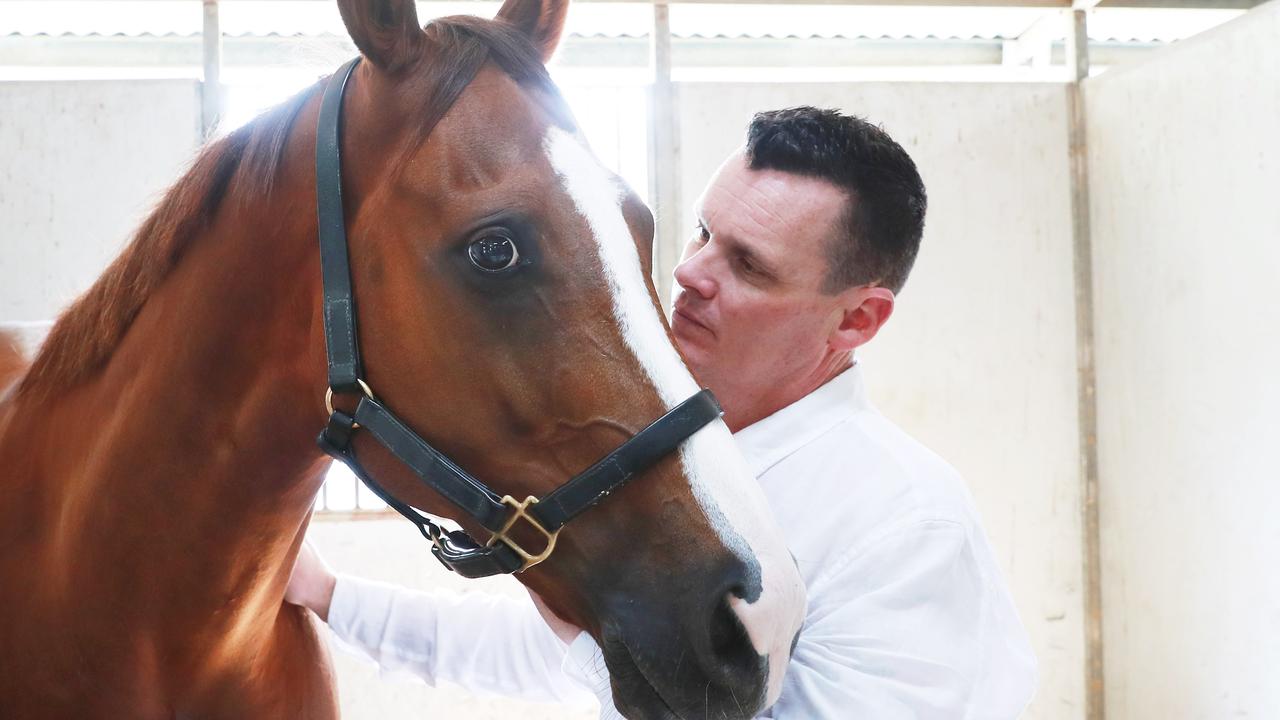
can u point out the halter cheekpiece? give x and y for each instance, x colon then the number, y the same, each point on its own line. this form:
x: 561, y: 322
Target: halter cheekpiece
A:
x: 497, y: 514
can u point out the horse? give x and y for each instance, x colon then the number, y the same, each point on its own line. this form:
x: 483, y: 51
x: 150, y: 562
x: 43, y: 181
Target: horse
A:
x: 159, y: 455
x: 12, y: 360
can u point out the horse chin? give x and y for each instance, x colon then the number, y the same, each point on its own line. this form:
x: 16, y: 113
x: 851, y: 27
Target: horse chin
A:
x: 634, y: 694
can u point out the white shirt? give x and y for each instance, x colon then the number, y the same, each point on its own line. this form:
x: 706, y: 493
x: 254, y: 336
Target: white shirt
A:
x: 908, y: 615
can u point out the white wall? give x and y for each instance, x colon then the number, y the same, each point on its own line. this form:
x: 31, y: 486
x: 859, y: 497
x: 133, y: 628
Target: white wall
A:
x: 81, y: 163
x: 979, y: 360
x: 1184, y: 154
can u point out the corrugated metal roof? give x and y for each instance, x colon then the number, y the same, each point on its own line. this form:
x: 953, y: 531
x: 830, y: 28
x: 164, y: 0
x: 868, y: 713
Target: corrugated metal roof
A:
x: 593, y: 36
x: 597, y: 20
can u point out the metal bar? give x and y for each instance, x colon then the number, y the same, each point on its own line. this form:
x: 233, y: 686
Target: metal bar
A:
x: 1150, y: 4
x: 664, y: 149
x: 347, y: 515
x: 1182, y: 4
x: 1086, y: 371
x: 1078, y: 45
x: 575, y: 52
x: 211, y: 82
x: 1035, y: 45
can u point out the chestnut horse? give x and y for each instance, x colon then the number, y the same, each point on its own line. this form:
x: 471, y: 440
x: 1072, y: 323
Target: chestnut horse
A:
x: 158, y: 460
x: 11, y: 360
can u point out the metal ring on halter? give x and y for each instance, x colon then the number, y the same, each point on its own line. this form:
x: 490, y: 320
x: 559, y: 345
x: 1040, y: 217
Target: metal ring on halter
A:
x: 328, y: 397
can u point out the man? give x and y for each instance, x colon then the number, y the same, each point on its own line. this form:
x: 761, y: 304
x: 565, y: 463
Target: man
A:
x: 804, y: 238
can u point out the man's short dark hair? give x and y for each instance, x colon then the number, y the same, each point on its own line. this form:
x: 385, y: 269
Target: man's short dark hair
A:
x: 881, y: 231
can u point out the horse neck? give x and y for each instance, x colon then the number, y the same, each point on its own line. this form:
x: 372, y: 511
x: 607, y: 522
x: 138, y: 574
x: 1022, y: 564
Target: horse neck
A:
x: 185, y: 470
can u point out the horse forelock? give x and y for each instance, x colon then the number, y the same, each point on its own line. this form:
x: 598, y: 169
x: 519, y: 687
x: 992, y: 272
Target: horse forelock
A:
x: 88, y: 332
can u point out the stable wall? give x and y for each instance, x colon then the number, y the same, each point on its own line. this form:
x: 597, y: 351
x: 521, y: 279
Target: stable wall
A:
x: 1184, y: 167
x: 81, y: 164
x: 978, y: 361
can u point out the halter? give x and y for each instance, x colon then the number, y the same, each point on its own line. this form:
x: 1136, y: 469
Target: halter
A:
x: 498, y: 514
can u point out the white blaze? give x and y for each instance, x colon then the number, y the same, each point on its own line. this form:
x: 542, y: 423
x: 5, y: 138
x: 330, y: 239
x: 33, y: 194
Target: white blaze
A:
x: 721, y: 481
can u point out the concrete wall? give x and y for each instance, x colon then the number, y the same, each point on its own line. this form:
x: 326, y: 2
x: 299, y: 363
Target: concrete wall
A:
x: 1184, y: 154
x: 81, y: 163
x: 979, y: 359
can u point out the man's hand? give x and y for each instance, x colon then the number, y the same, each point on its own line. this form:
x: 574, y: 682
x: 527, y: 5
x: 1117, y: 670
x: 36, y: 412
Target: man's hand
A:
x: 312, y: 582
x: 563, y: 630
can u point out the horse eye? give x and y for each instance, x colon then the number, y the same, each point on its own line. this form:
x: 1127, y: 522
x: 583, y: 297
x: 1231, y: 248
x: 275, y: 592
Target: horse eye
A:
x: 494, y: 253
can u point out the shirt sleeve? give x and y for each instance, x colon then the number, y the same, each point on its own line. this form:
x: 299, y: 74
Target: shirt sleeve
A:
x: 899, y: 634
x: 480, y: 641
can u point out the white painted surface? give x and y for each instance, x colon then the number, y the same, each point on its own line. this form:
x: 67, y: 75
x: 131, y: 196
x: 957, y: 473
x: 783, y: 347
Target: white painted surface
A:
x: 1184, y: 154
x: 979, y: 360
x: 81, y: 163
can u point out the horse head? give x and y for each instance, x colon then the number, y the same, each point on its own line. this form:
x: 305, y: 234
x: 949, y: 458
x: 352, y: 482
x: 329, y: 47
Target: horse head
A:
x: 507, y: 313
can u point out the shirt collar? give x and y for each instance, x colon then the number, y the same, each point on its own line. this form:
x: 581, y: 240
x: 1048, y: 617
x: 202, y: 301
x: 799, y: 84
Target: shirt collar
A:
x: 768, y: 441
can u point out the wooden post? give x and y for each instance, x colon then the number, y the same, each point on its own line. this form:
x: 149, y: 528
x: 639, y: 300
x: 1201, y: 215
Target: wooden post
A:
x: 1087, y: 406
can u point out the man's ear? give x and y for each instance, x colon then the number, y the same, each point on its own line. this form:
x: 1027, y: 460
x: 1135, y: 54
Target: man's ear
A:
x: 386, y: 31
x: 863, y: 311
x: 542, y: 21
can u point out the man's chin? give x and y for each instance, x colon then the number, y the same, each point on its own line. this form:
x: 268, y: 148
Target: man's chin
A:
x: 689, y: 335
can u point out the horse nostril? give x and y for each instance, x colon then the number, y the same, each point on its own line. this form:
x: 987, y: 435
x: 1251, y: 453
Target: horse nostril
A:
x: 730, y: 642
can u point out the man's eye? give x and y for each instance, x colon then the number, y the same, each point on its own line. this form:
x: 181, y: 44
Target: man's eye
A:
x: 748, y: 267
x: 703, y: 234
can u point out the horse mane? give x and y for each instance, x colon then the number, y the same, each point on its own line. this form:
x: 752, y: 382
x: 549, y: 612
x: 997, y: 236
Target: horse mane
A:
x: 12, y: 360
x: 88, y: 332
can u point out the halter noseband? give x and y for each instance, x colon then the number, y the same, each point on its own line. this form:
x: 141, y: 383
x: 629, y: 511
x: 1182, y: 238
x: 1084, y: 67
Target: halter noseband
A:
x: 499, y: 515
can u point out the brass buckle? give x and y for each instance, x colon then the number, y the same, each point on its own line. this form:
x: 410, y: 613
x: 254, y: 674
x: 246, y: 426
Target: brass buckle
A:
x: 328, y: 398
x: 520, y: 511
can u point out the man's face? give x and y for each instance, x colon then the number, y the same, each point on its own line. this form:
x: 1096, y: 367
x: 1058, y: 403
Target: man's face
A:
x: 749, y: 314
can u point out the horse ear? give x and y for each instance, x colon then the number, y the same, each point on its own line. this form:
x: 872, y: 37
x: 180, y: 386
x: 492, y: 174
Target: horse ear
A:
x: 386, y: 31
x: 542, y: 21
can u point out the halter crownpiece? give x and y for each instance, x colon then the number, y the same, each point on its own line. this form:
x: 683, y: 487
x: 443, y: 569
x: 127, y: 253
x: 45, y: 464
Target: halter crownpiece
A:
x: 500, y: 515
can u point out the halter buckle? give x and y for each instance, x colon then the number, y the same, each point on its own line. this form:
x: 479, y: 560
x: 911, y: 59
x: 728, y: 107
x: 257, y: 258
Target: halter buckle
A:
x: 520, y: 510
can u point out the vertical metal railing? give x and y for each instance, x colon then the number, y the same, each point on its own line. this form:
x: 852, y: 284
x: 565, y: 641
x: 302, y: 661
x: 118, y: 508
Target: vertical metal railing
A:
x: 211, y: 95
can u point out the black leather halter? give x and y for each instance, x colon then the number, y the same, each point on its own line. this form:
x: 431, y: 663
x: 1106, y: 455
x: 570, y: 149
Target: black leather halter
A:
x: 457, y: 550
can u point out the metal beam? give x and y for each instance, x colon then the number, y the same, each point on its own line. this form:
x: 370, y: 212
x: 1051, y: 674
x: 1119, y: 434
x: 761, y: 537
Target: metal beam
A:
x: 1170, y: 4
x: 1183, y: 4
x: 211, y: 63
x: 1077, y: 45
x: 1034, y: 46
x: 174, y: 51
x: 664, y: 149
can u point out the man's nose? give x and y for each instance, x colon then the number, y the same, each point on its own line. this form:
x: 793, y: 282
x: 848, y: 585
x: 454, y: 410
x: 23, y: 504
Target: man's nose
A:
x: 694, y: 274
